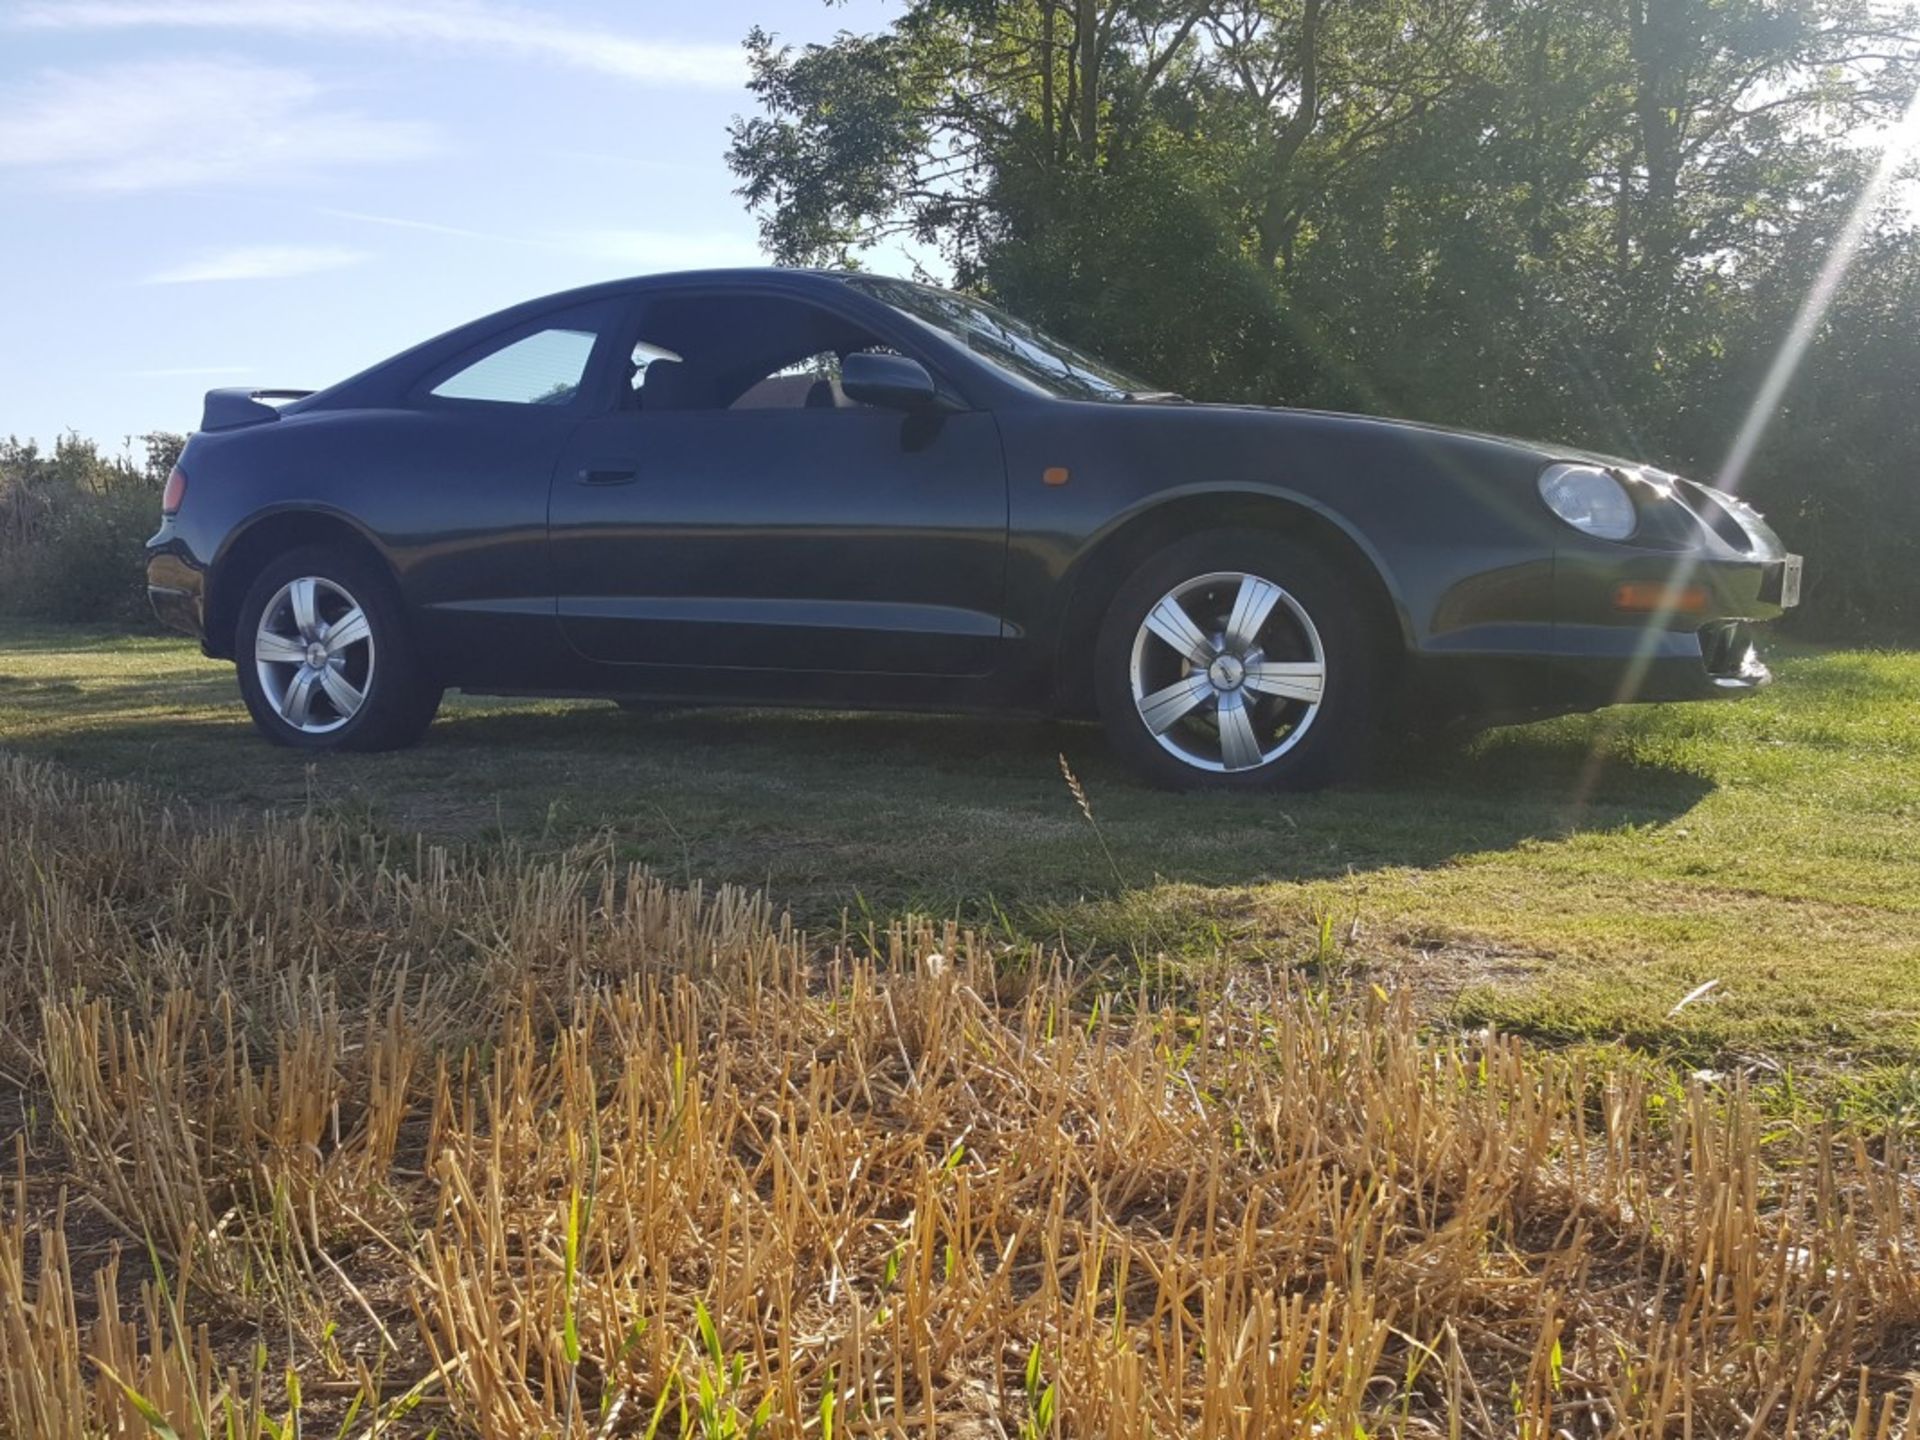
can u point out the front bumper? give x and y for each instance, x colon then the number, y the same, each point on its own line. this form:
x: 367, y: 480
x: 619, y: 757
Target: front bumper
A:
x: 1700, y: 643
x: 1595, y: 666
x: 1592, y: 653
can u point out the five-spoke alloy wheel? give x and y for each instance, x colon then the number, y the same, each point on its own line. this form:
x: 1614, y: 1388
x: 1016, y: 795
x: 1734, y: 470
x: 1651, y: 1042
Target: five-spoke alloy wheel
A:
x: 315, y: 654
x: 324, y: 656
x: 1237, y: 661
x: 1227, y: 671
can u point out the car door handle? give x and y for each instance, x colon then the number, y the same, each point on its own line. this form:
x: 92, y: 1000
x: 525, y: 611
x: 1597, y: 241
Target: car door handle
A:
x: 595, y: 476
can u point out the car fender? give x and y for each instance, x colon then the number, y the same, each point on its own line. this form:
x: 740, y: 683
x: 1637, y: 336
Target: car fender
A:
x: 1233, y: 495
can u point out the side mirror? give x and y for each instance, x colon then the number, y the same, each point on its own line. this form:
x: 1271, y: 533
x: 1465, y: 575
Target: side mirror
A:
x: 892, y: 382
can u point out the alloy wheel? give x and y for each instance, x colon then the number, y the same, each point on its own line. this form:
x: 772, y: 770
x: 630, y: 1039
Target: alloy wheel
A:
x: 1228, y: 672
x: 314, y: 654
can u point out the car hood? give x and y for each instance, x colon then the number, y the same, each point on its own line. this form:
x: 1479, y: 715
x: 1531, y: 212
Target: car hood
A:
x: 1546, y: 452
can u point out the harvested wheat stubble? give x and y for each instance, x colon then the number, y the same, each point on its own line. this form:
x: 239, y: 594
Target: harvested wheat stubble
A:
x: 397, y: 1140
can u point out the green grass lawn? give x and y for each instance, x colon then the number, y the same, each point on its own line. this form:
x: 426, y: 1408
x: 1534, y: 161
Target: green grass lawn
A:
x: 1572, y: 879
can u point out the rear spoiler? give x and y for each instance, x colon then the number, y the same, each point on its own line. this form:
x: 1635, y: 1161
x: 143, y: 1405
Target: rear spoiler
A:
x: 231, y: 409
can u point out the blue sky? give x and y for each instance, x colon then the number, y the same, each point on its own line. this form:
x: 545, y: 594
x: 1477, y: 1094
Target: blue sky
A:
x: 278, y: 192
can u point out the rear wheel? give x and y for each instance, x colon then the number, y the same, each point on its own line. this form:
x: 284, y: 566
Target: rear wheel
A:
x: 1239, y: 662
x: 324, y: 658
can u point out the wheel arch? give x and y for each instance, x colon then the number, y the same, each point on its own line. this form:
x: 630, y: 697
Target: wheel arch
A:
x: 1127, y: 543
x: 253, y: 546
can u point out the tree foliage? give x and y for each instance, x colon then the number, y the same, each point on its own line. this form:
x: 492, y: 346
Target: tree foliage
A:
x: 1593, y: 219
x: 73, y: 526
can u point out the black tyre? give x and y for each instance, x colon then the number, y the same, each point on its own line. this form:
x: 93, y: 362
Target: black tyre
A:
x: 325, y: 658
x: 1240, y: 661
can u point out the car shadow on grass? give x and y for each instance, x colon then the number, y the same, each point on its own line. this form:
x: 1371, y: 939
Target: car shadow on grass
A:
x: 942, y: 811
x: 831, y: 811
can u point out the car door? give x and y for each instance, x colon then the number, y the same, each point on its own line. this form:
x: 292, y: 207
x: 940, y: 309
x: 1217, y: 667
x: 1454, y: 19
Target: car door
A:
x: 828, y: 539
x: 458, y: 480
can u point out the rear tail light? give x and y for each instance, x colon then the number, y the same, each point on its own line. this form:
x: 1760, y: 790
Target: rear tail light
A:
x: 175, y: 492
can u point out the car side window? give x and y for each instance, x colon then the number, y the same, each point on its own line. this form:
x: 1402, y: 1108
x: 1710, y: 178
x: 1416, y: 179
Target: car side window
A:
x: 544, y: 368
x: 809, y: 384
x: 738, y: 352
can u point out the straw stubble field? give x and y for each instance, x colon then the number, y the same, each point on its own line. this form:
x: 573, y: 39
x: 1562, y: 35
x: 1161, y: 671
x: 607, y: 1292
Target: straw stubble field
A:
x: 318, y: 1134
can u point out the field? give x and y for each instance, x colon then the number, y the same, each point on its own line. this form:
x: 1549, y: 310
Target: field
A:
x: 476, y: 1090
x: 1570, y: 880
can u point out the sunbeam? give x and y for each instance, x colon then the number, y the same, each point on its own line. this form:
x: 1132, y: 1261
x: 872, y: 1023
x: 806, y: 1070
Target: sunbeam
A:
x: 1901, y: 144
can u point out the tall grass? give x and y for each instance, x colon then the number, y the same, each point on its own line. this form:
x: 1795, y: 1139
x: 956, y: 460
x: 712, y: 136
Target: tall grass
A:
x: 324, y: 1134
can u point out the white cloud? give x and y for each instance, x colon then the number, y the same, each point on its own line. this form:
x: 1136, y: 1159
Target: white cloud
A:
x: 463, y: 24
x: 150, y: 125
x: 431, y: 227
x: 662, y: 249
x: 259, y: 262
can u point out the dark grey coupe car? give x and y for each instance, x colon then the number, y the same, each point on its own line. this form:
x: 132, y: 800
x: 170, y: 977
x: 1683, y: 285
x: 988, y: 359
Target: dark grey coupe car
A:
x: 806, y: 488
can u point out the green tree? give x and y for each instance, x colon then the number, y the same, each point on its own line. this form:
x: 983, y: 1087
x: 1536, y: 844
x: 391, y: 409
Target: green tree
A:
x: 1585, y: 218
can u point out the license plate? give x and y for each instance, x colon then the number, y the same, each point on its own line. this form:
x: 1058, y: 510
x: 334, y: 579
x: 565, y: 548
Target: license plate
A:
x: 1790, y: 581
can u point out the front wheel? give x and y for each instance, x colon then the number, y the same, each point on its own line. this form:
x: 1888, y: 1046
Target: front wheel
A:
x: 1239, y: 662
x: 324, y: 657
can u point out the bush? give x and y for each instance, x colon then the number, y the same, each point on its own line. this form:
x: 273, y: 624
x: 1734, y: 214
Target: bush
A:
x: 73, y: 525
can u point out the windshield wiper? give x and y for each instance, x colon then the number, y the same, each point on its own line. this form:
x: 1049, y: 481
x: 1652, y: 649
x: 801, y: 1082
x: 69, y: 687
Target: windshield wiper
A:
x: 1155, y: 397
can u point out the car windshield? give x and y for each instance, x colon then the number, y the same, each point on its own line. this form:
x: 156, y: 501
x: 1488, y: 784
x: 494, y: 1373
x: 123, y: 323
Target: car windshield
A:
x: 1021, y: 351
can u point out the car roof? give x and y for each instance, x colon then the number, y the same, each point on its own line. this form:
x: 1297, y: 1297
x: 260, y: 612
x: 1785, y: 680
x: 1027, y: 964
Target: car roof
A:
x: 379, y: 381
x: 719, y: 277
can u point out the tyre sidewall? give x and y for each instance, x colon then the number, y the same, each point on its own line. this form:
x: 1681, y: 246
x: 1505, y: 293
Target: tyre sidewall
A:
x: 1343, y: 734
x: 401, y: 703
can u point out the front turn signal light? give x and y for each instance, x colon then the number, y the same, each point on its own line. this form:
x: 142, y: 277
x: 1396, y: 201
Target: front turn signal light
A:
x: 1647, y: 596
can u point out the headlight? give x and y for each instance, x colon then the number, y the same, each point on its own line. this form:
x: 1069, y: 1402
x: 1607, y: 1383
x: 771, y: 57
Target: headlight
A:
x: 1590, y: 500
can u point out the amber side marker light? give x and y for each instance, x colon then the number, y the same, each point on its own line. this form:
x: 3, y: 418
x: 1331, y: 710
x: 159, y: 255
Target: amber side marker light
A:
x: 1650, y: 595
x: 1054, y: 475
x: 175, y: 492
